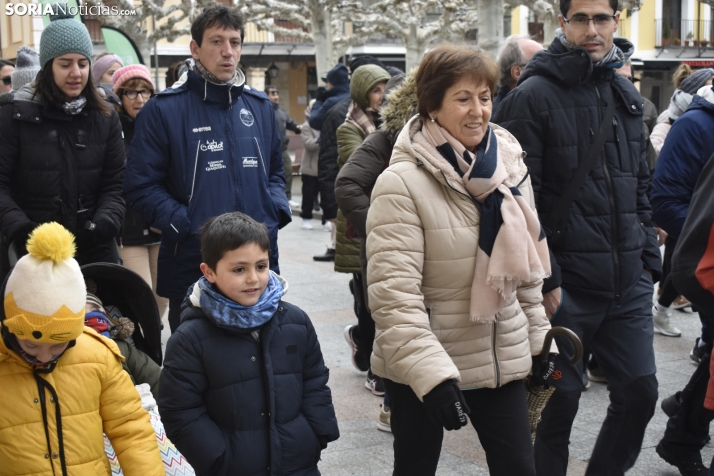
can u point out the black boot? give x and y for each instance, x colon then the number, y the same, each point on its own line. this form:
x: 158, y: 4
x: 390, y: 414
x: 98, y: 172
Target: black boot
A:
x: 328, y: 256
x: 688, y: 463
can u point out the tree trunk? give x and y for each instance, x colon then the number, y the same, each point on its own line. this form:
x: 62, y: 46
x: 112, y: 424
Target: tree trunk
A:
x: 322, y: 37
x: 490, y: 25
x: 550, y: 24
x: 415, y: 48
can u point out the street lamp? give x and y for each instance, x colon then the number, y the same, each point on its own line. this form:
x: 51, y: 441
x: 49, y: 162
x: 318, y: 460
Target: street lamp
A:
x: 273, y: 71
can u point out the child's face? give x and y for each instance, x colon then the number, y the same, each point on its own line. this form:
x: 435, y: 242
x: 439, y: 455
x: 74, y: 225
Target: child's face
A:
x: 42, y: 351
x: 242, y: 274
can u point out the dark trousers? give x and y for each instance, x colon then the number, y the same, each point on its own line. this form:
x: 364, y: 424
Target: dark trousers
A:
x: 621, y: 338
x: 288, y: 172
x: 174, y: 313
x: 500, y: 417
x: 365, y: 323
x: 310, y: 189
x: 688, y: 429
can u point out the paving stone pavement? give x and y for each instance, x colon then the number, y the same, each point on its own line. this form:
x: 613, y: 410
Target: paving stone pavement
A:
x: 364, y: 451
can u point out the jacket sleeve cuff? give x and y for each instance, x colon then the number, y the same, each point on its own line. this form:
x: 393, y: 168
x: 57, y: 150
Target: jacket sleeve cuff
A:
x: 555, y: 279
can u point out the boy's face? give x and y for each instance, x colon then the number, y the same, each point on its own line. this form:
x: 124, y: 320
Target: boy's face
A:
x: 242, y: 274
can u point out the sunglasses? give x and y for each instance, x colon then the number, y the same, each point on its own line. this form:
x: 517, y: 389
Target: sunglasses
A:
x: 7, y: 80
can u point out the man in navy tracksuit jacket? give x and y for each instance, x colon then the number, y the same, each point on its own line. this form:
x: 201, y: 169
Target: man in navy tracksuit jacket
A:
x: 204, y: 147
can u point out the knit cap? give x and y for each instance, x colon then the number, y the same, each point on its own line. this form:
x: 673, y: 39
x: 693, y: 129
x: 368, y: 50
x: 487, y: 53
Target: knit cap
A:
x: 64, y: 35
x: 133, y: 71
x: 101, y: 65
x: 45, y: 294
x: 696, y: 80
x: 337, y: 75
x: 27, y: 66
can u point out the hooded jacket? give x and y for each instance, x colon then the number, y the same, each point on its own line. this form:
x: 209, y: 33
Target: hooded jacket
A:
x: 327, y: 168
x: 349, y: 137
x: 200, y: 150
x: 94, y: 395
x: 57, y: 167
x: 422, y: 240
x: 329, y: 100
x: 237, y: 405
x: 689, y: 145
x: 357, y: 178
x: 555, y: 113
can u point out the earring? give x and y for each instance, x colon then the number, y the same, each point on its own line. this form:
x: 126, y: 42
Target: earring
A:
x: 432, y: 118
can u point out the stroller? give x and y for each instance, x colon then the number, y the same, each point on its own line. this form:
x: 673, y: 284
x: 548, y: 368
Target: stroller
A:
x: 123, y: 288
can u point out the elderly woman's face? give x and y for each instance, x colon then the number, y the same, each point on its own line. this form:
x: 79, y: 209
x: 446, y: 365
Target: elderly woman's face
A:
x: 465, y: 111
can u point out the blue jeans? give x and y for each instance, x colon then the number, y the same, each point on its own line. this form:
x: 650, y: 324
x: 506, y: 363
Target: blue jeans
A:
x: 621, y: 339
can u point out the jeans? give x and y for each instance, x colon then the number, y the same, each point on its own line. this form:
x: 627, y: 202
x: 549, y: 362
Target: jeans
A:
x: 621, y: 338
x: 499, y: 415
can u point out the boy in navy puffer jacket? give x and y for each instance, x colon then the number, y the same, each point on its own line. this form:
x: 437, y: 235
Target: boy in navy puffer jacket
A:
x: 244, y: 386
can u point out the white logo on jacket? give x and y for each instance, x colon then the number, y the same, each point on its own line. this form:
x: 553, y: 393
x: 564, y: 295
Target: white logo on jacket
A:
x: 202, y: 129
x: 250, y: 162
x: 246, y: 117
x: 213, y: 146
x: 215, y: 165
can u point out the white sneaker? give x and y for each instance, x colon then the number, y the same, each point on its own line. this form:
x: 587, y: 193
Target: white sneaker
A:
x: 327, y: 226
x: 307, y: 223
x: 385, y: 416
x: 662, y: 324
x: 293, y: 204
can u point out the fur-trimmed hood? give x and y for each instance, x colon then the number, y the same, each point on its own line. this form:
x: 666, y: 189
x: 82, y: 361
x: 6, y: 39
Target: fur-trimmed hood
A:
x: 400, y: 107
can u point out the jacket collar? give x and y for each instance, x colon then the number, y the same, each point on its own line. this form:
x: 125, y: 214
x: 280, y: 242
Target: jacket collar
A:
x: 411, y: 146
x: 213, y: 93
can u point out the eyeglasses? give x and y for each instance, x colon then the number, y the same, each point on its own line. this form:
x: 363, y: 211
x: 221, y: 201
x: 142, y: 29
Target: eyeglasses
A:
x: 145, y: 93
x: 581, y: 22
x: 7, y: 80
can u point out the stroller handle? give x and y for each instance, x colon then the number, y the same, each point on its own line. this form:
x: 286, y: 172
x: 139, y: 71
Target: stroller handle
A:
x: 563, y: 331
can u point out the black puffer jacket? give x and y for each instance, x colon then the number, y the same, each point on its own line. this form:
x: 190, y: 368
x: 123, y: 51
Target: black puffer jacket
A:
x: 57, y: 167
x: 327, y: 168
x: 235, y: 405
x: 555, y: 112
x: 135, y: 230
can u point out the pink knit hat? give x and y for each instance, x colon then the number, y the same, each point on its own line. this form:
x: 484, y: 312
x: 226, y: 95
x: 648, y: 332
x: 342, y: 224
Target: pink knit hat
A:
x: 101, y: 65
x: 133, y: 71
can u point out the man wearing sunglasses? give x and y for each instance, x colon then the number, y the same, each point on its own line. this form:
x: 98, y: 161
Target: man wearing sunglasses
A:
x: 590, y: 176
x: 6, y: 69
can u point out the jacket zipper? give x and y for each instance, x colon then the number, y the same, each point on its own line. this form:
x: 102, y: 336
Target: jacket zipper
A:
x: 195, y: 168
x: 262, y: 162
x: 611, y: 198
x: 495, y: 356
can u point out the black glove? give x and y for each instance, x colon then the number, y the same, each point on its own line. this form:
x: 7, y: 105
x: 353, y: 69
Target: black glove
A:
x: 542, y: 372
x: 105, y: 229
x: 446, y: 405
x: 320, y: 94
x: 19, y: 238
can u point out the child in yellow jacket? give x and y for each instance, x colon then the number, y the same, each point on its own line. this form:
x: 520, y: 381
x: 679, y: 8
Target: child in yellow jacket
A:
x: 62, y: 385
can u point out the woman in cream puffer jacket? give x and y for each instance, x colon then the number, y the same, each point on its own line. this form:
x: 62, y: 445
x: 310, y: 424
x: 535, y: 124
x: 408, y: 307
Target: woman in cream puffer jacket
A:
x: 437, y: 357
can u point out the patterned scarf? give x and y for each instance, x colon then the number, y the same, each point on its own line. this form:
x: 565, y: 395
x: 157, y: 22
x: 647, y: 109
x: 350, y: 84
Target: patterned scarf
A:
x: 365, y: 120
x: 614, y: 59
x: 511, y: 246
x: 208, y: 76
x: 74, y: 107
x: 227, y: 313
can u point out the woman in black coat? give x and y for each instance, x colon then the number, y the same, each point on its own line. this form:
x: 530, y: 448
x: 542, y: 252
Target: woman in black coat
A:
x: 61, y: 152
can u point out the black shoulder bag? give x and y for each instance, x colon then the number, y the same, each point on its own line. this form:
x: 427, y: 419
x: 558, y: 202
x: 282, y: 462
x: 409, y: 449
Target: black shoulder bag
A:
x: 557, y: 220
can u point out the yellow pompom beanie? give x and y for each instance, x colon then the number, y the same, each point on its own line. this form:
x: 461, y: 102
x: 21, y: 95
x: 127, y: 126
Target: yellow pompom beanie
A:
x: 45, y: 293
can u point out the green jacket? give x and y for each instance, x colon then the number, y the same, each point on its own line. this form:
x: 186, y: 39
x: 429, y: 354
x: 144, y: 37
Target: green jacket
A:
x: 140, y: 367
x: 349, y: 138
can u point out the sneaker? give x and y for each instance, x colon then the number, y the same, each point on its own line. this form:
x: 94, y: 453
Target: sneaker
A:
x: 294, y: 204
x: 307, y: 223
x: 689, y: 464
x: 385, y: 416
x: 328, y: 256
x: 662, y: 324
x: 375, y: 384
x: 359, y: 360
x: 327, y: 226
x: 698, y: 352
x: 671, y: 405
x: 681, y: 303
x: 595, y: 375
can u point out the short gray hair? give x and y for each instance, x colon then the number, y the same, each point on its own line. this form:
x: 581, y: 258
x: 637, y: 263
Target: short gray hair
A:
x: 509, y: 56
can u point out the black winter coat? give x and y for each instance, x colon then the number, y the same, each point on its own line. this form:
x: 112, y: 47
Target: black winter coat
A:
x: 135, y: 230
x: 327, y: 167
x: 57, y: 167
x: 555, y: 112
x: 234, y: 406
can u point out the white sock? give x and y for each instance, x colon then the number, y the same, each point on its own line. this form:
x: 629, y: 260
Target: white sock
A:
x: 661, y: 308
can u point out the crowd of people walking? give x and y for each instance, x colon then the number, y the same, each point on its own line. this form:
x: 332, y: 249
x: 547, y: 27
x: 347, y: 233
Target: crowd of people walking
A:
x: 477, y: 204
